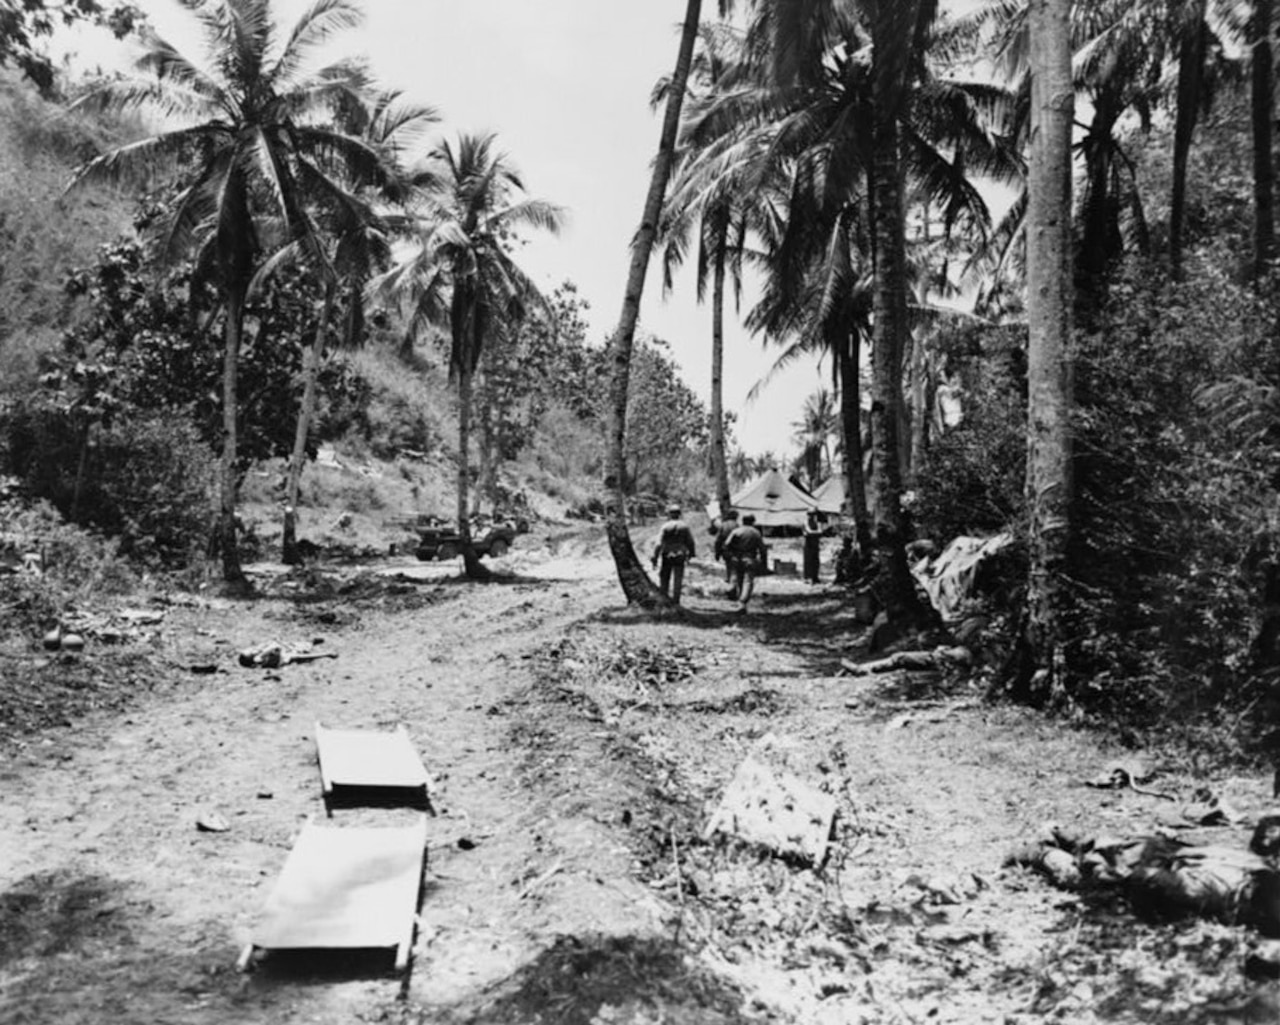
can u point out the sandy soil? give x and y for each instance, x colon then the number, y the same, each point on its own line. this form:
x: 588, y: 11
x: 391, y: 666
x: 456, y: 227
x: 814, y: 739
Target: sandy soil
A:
x: 577, y: 749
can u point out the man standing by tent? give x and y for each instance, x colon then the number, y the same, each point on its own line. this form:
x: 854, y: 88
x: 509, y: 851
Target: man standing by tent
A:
x: 745, y: 552
x: 812, y: 547
x: 674, y: 548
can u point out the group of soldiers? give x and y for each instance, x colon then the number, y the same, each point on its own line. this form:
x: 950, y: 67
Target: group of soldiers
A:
x: 739, y: 545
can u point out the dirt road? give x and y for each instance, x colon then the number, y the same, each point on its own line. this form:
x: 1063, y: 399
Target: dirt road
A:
x: 577, y: 749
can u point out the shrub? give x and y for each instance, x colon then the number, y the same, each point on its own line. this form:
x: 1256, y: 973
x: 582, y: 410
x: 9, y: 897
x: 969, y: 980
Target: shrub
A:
x: 149, y: 483
x: 1168, y: 505
x: 972, y: 478
x: 78, y: 566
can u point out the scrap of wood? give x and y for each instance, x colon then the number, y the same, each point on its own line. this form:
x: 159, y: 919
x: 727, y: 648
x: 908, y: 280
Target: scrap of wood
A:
x: 273, y: 655
x: 776, y: 809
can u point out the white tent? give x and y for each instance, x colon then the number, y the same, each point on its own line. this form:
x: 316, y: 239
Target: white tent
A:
x: 830, y: 495
x: 774, y: 501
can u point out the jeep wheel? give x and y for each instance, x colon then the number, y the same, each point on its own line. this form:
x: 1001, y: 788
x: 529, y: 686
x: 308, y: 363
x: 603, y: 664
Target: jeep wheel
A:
x: 498, y: 549
x: 448, y: 551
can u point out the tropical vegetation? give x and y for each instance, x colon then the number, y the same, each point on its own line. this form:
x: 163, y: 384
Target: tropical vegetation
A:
x: 1030, y: 245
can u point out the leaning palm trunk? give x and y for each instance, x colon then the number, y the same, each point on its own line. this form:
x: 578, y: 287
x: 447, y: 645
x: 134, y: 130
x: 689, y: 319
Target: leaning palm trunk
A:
x: 1263, y: 103
x: 306, y: 415
x: 1048, y: 350
x: 719, y: 466
x: 636, y: 585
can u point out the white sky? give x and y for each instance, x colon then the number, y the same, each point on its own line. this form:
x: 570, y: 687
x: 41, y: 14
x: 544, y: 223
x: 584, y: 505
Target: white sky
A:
x: 565, y: 84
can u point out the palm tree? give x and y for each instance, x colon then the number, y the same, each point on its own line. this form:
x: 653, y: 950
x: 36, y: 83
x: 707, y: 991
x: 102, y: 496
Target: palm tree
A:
x: 818, y: 422
x: 1049, y: 322
x: 719, y: 211
x: 256, y: 142
x: 360, y: 232
x: 636, y: 585
x: 462, y: 272
x: 839, y: 130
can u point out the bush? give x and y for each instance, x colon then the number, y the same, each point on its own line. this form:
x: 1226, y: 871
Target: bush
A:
x: 972, y: 479
x: 149, y: 483
x: 78, y: 565
x: 1168, y: 504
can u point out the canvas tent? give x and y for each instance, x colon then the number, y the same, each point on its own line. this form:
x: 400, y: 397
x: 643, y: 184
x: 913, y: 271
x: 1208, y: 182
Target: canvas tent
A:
x: 774, y: 501
x: 830, y: 495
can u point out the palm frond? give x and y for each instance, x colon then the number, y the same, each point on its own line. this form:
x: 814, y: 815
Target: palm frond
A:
x: 317, y: 24
x: 147, y: 159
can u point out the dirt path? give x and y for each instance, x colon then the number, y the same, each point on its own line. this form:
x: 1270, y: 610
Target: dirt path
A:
x: 577, y: 749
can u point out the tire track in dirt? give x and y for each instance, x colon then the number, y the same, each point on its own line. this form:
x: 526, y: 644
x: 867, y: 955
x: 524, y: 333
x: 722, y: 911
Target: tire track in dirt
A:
x: 115, y: 801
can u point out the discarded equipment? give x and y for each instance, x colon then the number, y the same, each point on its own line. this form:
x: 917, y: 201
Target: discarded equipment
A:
x: 767, y: 804
x: 350, y: 889
x: 370, y: 767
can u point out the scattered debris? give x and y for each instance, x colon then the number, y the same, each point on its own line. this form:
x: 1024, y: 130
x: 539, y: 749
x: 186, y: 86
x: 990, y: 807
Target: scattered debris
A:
x: 948, y: 580
x: 273, y: 655
x: 211, y: 822
x: 766, y: 804
x: 1132, y: 774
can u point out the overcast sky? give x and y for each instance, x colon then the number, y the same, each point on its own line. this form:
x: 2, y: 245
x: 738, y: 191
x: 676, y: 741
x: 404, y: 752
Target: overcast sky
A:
x: 565, y: 84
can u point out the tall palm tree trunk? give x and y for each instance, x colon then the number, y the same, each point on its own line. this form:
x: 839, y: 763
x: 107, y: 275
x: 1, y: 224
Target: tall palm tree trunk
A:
x: 1190, y: 77
x: 306, y: 415
x: 893, y: 35
x: 1048, y: 352
x: 1263, y: 102
x: 895, y: 588
x: 855, y: 489
x: 636, y: 585
x: 920, y: 396
x: 232, y: 572
x: 719, y: 466
x: 470, y: 560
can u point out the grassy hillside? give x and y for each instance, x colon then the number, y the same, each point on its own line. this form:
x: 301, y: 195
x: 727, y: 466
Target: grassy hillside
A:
x: 43, y: 232
x: 393, y: 455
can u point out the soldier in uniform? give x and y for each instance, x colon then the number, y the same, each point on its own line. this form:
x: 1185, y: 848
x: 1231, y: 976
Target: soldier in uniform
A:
x: 673, y: 549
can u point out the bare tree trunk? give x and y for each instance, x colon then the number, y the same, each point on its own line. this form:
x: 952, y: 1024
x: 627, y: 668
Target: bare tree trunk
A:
x: 1263, y: 100
x: 921, y: 393
x: 306, y: 414
x: 1049, y: 484
x: 636, y: 584
x: 484, y: 484
x: 470, y: 560
x: 232, y: 572
x: 893, y: 31
x: 719, y: 466
x: 84, y: 433
x: 1190, y: 76
x: 855, y: 485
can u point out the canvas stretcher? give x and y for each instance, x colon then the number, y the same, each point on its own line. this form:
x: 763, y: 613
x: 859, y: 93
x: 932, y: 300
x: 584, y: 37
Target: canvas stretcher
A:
x: 370, y: 767
x: 350, y: 888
